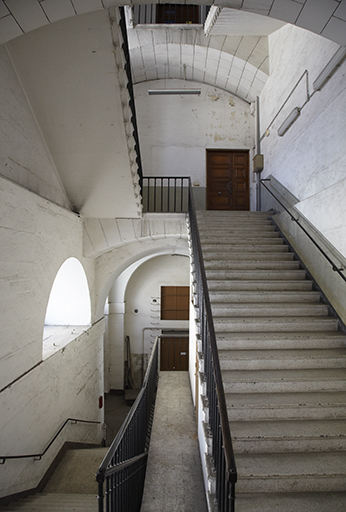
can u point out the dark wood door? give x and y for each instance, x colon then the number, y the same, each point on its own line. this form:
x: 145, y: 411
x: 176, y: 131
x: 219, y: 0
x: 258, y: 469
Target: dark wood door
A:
x: 174, y: 354
x: 228, y: 180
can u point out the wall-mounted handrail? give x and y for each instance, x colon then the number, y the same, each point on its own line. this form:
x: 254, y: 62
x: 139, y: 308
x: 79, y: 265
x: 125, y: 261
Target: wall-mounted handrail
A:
x: 294, y: 219
x: 222, y: 449
x: 38, y: 456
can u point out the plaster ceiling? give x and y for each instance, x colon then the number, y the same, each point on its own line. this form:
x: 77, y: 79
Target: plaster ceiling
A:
x: 324, y: 17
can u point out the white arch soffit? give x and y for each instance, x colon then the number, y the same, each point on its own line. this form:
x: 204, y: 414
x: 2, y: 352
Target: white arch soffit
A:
x: 69, y: 300
x: 209, y: 66
x: 122, y: 280
x: 130, y: 264
x: 327, y: 19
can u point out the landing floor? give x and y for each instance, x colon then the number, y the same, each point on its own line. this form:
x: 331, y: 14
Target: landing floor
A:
x: 174, y: 481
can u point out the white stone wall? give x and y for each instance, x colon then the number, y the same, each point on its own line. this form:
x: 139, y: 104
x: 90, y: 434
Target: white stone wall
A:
x: 310, y: 159
x: 175, y: 131
x: 37, y: 396
x: 142, y: 303
x: 24, y: 157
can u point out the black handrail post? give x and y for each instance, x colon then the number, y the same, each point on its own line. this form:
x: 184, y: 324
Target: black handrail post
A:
x: 100, y: 497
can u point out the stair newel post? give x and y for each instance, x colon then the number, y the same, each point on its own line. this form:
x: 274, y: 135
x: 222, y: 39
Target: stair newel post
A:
x: 100, y: 496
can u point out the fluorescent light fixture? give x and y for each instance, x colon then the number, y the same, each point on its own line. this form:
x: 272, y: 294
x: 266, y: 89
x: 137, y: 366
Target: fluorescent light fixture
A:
x: 330, y: 68
x: 289, y: 121
x: 174, y: 91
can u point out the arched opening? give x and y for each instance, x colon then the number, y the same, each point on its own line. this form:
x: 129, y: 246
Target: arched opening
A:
x: 68, y: 312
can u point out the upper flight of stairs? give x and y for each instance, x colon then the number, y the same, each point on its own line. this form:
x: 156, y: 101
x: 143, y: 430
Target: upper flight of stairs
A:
x: 283, y: 363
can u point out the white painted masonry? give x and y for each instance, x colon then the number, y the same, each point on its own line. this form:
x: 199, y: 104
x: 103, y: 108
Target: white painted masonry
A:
x: 62, y: 136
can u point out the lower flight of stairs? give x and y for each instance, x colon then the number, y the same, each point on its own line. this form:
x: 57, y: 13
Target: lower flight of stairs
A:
x: 72, y: 487
x: 283, y: 364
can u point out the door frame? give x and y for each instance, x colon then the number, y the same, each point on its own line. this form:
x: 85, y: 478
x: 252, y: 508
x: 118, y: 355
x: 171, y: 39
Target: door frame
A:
x: 225, y: 150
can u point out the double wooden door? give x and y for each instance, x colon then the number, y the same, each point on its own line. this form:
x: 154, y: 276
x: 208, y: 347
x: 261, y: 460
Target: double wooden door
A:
x: 228, y: 180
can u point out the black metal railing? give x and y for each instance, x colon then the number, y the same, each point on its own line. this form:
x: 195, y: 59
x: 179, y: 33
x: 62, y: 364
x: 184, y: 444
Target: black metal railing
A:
x: 126, y: 51
x: 169, y: 14
x: 38, y: 456
x: 222, y: 450
x: 294, y: 219
x: 165, y: 194
x: 121, y: 474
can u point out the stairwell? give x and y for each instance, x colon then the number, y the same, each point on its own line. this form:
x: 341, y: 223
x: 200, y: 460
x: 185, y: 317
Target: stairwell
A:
x: 283, y: 363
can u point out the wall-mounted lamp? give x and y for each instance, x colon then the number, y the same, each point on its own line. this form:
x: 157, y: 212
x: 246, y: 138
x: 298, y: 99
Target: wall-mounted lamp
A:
x: 289, y: 121
x: 174, y: 91
x: 330, y: 68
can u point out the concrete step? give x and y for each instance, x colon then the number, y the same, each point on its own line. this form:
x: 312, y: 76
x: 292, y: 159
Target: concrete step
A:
x: 226, y: 229
x: 220, y: 238
x: 234, y: 274
x: 284, y: 381
x: 266, y: 407
x: 251, y: 285
x: 282, y: 359
x: 276, y: 340
x: 268, y: 310
x: 288, y: 436
x: 282, y: 255
x: 56, y: 502
x: 246, y: 297
x: 275, y: 324
x: 243, y: 244
x: 299, y: 472
x: 251, y: 265
x: 291, y: 502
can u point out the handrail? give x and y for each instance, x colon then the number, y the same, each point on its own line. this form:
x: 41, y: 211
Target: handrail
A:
x: 38, y: 456
x: 126, y: 458
x: 294, y: 219
x: 223, y: 454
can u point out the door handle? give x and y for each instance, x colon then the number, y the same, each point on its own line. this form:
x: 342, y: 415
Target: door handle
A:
x: 229, y: 188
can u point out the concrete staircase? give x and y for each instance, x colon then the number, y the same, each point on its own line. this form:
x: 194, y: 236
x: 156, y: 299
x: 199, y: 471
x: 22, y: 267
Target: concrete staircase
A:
x: 283, y: 362
x: 72, y: 487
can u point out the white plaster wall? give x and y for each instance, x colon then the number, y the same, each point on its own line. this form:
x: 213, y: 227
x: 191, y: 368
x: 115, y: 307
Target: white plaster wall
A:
x: 24, y: 157
x: 143, y: 294
x: 66, y: 385
x: 37, y: 396
x: 36, y: 238
x: 310, y: 159
x: 175, y: 131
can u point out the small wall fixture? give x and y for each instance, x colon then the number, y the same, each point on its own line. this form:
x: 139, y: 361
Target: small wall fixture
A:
x: 330, y: 68
x: 289, y: 121
x: 258, y: 163
x: 174, y: 91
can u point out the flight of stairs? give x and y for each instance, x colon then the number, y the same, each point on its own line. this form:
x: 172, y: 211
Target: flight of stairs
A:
x: 283, y: 363
x: 72, y: 487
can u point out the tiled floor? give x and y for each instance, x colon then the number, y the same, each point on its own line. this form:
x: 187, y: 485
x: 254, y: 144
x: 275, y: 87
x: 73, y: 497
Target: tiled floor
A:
x: 174, y: 474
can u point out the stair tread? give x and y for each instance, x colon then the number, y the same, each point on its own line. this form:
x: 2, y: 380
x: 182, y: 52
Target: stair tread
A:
x: 288, y: 429
x: 294, y: 375
x: 292, y: 502
x: 284, y: 400
x: 280, y: 353
x: 291, y: 465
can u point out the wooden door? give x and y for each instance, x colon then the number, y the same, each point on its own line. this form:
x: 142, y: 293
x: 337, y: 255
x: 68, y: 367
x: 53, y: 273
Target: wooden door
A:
x: 228, y: 180
x: 174, y: 354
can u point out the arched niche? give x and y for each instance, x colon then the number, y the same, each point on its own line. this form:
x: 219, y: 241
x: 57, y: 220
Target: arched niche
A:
x: 69, y: 310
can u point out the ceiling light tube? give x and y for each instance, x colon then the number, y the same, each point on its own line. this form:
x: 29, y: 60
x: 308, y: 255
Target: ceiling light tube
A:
x: 289, y: 121
x: 174, y: 91
x: 330, y: 68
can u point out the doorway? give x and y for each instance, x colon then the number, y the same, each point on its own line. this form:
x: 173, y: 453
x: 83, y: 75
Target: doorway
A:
x: 228, y: 179
x: 174, y: 354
